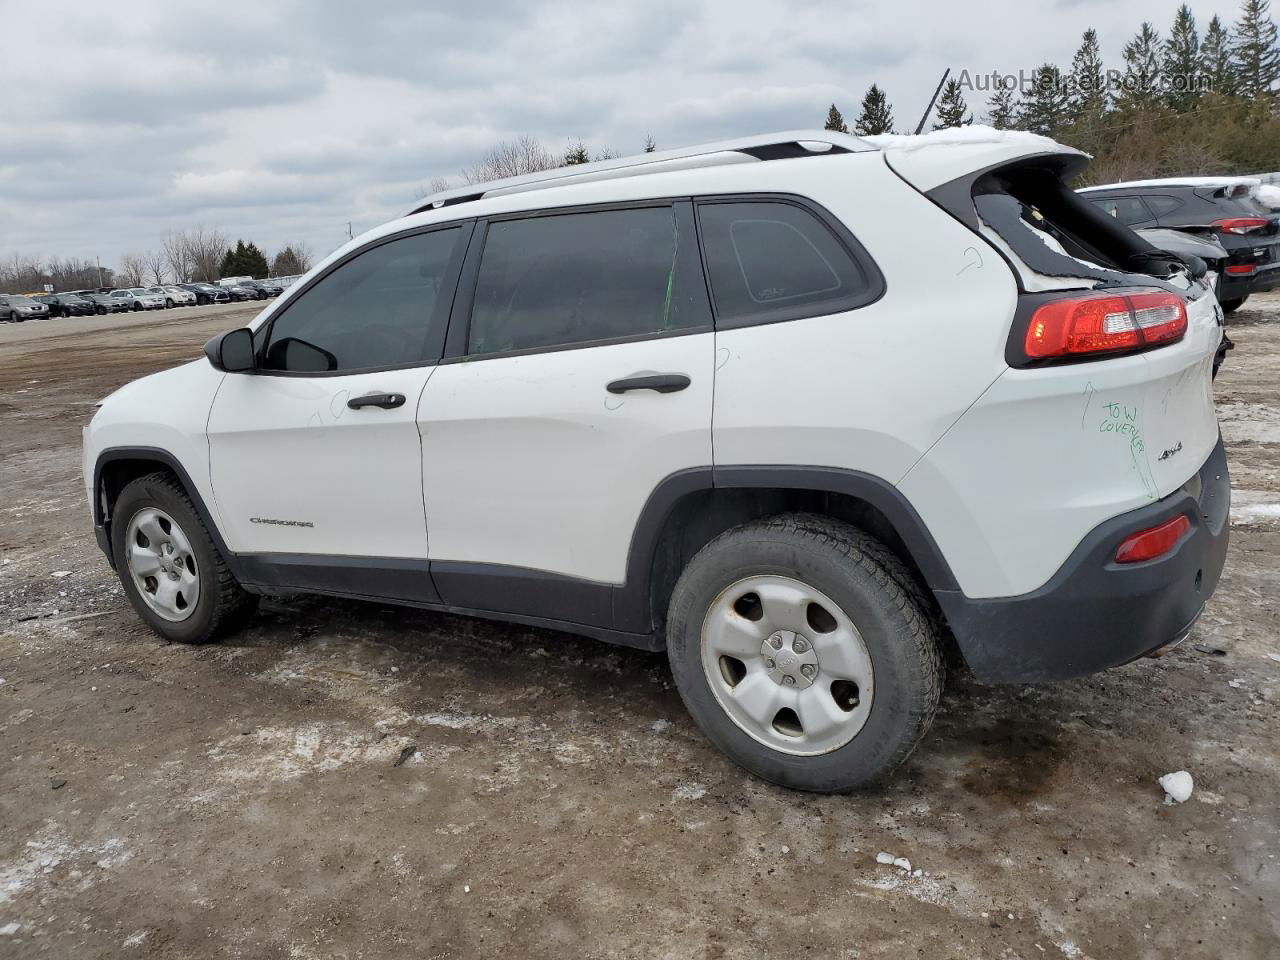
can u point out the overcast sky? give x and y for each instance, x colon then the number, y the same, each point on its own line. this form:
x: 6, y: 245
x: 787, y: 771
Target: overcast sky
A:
x: 276, y: 120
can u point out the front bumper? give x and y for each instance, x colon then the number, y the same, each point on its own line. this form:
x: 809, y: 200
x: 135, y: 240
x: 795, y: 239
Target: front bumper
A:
x: 1093, y: 613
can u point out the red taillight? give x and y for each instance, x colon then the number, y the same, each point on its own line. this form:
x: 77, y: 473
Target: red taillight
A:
x: 1241, y: 269
x: 1240, y: 225
x: 1152, y: 543
x: 1105, y: 323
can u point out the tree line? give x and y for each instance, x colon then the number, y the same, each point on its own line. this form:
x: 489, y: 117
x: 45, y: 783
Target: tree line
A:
x: 195, y: 254
x: 1180, y: 105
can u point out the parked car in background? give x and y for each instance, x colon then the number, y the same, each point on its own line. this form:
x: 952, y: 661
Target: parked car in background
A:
x: 241, y: 291
x: 16, y: 308
x: 1205, y: 247
x: 269, y: 288
x: 65, y: 304
x: 990, y: 431
x: 138, y: 298
x: 104, y: 302
x: 1225, y: 208
x: 207, y: 293
x: 174, y: 296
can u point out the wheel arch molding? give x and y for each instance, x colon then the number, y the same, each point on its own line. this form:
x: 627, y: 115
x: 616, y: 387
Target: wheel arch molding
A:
x: 691, y: 507
x: 116, y: 467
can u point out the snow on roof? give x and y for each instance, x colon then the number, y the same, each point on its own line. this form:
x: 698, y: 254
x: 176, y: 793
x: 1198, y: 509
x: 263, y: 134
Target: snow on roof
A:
x: 972, y: 135
x: 1178, y: 182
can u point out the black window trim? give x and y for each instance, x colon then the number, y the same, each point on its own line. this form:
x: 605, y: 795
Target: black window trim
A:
x: 460, y: 320
x: 875, y: 288
x: 437, y: 323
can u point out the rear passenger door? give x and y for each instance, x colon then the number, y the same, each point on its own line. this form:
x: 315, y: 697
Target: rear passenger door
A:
x: 1131, y: 211
x: 578, y: 375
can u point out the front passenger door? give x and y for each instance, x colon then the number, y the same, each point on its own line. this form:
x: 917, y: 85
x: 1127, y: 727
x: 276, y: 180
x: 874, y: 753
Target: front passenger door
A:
x: 316, y: 453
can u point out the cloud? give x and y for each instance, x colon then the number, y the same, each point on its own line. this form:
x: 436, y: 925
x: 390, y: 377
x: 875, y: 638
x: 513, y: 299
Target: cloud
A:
x: 283, y: 121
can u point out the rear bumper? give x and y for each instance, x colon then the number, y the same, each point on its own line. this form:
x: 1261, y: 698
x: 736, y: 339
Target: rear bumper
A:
x: 1093, y: 613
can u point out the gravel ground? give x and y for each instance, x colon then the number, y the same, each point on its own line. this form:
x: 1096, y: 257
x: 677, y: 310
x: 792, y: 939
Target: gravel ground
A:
x: 347, y: 780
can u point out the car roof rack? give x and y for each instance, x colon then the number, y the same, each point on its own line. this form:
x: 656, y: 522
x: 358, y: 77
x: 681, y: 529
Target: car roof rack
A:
x: 773, y: 146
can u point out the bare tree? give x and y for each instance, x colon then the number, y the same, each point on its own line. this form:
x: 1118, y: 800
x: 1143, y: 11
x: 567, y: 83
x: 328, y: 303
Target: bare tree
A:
x: 511, y: 158
x: 293, y: 258
x: 155, y: 261
x: 205, y: 249
x: 133, y: 267
x: 22, y: 273
x: 177, y: 255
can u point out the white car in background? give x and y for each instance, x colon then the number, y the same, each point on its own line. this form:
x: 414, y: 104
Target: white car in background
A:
x: 174, y: 296
x: 801, y: 410
x: 139, y: 298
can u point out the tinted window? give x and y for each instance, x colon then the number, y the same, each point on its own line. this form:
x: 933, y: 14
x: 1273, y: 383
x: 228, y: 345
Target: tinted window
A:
x: 770, y: 258
x: 1160, y: 205
x: 580, y: 277
x: 373, y: 311
x: 1128, y: 210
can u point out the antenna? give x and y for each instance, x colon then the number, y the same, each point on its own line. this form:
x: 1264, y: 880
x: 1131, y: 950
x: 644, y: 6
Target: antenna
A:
x: 932, y: 100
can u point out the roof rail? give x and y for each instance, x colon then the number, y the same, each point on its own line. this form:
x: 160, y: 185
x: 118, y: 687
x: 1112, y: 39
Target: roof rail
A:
x: 773, y: 146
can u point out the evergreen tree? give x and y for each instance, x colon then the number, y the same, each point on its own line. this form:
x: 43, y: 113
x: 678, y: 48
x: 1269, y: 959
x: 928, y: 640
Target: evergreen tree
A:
x: 1180, y: 62
x: 835, y: 121
x: 255, y: 262
x: 1002, y: 113
x: 576, y: 154
x: 287, y: 263
x: 952, y: 108
x: 1047, y: 106
x: 1141, y: 69
x: 1215, y: 59
x: 876, y: 116
x: 1254, y: 55
x: 1088, y: 82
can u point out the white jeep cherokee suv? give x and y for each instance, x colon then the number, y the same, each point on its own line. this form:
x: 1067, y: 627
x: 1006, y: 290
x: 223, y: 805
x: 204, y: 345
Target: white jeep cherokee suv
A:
x: 803, y: 410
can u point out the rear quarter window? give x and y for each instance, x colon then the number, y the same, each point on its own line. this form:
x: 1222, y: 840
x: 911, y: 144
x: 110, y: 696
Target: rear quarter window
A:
x: 777, y: 260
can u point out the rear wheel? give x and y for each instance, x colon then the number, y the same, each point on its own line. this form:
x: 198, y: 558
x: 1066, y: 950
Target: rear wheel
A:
x: 168, y: 304
x: 801, y: 649
x: 171, y: 570
x: 1231, y: 306
x: 13, y: 316
x: 100, y: 310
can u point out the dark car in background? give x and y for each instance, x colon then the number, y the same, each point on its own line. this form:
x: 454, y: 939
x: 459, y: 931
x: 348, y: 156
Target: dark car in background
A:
x: 269, y: 288
x: 65, y: 305
x: 207, y: 293
x: 102, y: 302
x: 1224, y: 208
x: 16, y: 308
x: 240, y: 292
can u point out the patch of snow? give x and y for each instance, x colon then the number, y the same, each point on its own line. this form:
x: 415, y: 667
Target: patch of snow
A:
x: 974, y: 134
x: 903, y: 863
x: 1270, y: 656
x: 1178, y: 181
x: 135, y: 939
x: 689, y: 791
x: 1177, y: 786
x: 9, y: 929
x: 885, y: 858
x: 59, y: 574
x: 1268, y: 194
x: 1256, y: 422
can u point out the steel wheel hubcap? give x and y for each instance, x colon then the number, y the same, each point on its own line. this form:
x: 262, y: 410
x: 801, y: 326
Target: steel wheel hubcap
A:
x: 787, y: 665
x: 162, y: 564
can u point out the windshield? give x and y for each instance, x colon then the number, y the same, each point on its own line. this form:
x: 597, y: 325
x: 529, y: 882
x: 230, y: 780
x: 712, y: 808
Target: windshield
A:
x: 22, y: 301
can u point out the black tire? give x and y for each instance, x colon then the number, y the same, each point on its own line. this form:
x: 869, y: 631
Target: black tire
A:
x: 13, y: 316
x: 873, y: 589
x: 168, y: 304
x: 1231, y: 306
x: 222, y: 603
x: 136, y: 306
x: 100, y: 310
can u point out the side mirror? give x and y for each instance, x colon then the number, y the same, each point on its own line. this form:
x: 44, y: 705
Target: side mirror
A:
x: 231, y: 352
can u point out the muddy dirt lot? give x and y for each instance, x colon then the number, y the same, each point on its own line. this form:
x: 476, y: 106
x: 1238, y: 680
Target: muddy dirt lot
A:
x: 244, y: 800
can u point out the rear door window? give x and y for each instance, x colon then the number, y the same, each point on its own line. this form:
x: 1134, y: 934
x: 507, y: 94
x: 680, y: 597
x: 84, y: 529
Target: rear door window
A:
x: 1162, y: 205
x: 574, y: 278
x: 774, y: 260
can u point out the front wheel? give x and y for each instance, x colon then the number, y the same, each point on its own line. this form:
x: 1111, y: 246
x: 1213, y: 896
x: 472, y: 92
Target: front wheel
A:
x: 801, y: 647
x: 170, y: 568
x: 100, y: 311
x: 168, y: 304
x: 13, y: 316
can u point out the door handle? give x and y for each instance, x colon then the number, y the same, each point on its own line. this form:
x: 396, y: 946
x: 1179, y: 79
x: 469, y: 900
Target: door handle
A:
x: 387, y: 401
x: 661, y: 382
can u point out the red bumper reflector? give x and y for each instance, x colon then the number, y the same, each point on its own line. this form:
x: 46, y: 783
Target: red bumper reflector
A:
x: 1239, y: 269
x: 1152, y: 543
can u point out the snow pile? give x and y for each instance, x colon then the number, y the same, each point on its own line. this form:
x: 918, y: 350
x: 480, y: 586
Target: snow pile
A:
x: 1177, y: 786
x: 1181, y: 182
x: 972, y: 135
x: 1268, y: 195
